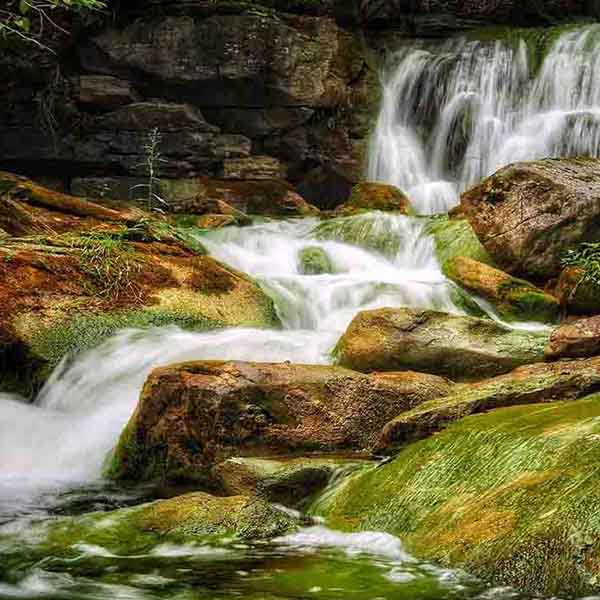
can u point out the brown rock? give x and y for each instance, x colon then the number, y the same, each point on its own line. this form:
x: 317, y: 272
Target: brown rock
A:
x: 195, y: 415
x: 576, y: 294
x: 254, y: 167
x: 573, y: 340
x: 374, y: 196
x: 104, y: 92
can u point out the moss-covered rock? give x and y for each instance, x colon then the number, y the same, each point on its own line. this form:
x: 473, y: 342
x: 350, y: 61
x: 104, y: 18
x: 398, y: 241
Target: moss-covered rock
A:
x: 566, y: 380
x: 515, y: 299
x: 193, y: 416
x: 313, y: 260
x: 369, y: 196
x: 287, y: 481
x: 455, y: 237
x: 510, y: 496
x: 577, y: 293
x: 393, y: 339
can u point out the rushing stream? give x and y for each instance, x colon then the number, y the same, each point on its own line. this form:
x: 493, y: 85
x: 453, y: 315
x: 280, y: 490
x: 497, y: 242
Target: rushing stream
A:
x: 483, y: 110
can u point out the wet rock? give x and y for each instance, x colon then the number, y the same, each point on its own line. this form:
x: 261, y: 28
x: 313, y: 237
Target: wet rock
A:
x: 193, y: 416
x: 576, y: 339
x: 577, y: 293
x: 509, y: 495
x: 394, y: 339
x: 254, y: 167
x: 515, y: 299
x: 528, y: 214
x: 314, y: 261
x: 290, y: 482
x: 565, y: 380
x: 103, y: 92
x: 370, y: 196
x: 325, y: 187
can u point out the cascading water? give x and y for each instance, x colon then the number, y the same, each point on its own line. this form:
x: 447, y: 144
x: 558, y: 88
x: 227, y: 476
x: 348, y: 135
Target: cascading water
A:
x: 453, y: 113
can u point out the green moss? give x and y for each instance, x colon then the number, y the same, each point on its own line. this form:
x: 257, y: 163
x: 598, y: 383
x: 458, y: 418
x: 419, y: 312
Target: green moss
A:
x: 465, y: 302
x: 314, y: 261
x: 511, y: 495
x: 455, y: 237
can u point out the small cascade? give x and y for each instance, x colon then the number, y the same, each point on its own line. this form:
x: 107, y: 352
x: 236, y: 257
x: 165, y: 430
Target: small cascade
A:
x: 455, y: 112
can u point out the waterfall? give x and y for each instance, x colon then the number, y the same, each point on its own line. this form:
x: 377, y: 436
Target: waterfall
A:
x: 455, y: 112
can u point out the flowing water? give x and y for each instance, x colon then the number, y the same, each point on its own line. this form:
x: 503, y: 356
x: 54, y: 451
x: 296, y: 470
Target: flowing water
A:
x: 450, y: 114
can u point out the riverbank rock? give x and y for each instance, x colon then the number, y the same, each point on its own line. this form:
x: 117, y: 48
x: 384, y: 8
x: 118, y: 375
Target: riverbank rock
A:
x: 515, y: 299
x: 576, y: 293
x: 527, y: 215
x: 78, y: 272
x: 193, y: 416
x: 576, y: 339
x: 313, y: 260
x: 290, y: 481
x: 509, y: 496
x: 394, y: 339
x: 368, y: 196
x: 565, y: 380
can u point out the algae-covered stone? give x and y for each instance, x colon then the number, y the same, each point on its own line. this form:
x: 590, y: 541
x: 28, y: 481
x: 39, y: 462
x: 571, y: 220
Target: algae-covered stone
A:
x: 566, y: 380
x: 577, y: 293
x: 515, y: 299
x: 395, y: 339
x: 313, y: 260
x: 192, y: 517
x: 576, y: 339
x: 455, y: 237
x: 369, y: 196
x: 193, y: 416
x: 288, y: 481
x: 511, y: 496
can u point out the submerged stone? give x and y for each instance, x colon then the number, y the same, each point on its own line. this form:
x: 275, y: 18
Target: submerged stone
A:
x: 395, y: 339
x: 195, y: 415
x: 313, y: 260
x: 515, y: 299
x: 510, y: 496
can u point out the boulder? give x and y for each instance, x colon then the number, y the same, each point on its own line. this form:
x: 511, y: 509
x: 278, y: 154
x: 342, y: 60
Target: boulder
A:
x: 288, y: 481
x: 509, y: 496
x: 527, y: 215
x: 515, y: 299
x: 463, y: 348
x: 576, y: 339
x: 544, y: 382
x: 193, y: 416
x: 370, y: 196
x: 577, y: 293
x: 313, y: 260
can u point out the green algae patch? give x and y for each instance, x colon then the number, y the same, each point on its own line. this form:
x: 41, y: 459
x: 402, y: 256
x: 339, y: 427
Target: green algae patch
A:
x: 455, y: 237
x: 511, y: 496
x: 314, y: 261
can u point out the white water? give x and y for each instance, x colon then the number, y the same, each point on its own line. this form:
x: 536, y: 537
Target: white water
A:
x: 77, y: 418
x: 457, y: 112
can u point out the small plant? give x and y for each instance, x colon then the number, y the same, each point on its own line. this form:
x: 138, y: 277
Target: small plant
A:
x: 587, y: 258
x: 150, y: 167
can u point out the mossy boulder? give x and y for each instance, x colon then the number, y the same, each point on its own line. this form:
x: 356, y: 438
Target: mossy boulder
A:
x: 515, y: 299
x: 455, y: 237
x: 577, y: 293
x: 394, y: 339
x: 193, y: 416
x: 576, y: 339
x: 528, y: 214
x: 510, y: 496
x: 313, y: 260
x: 369, y: 196
x: 544, y: 382
x: 287, y: 481
x: 193, y: 517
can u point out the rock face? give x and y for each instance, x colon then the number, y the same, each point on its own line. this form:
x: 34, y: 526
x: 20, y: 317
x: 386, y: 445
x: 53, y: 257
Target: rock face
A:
x: 566, y: 380
x: 374, y: 196
x: 391, y: 339
x: 80, y: 271
x: 195, y: 415
x: 527, y: 215
x: 515, y: 299
x: 509, y: 496
x: 574, y: 340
